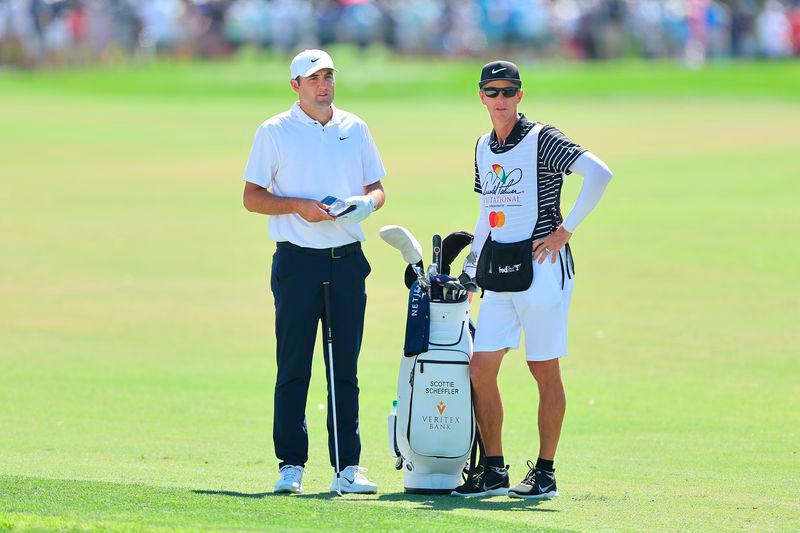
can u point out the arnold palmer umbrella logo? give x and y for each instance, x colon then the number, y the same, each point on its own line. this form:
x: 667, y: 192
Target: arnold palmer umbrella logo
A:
x: 500, y: 172
x: 498, y: 181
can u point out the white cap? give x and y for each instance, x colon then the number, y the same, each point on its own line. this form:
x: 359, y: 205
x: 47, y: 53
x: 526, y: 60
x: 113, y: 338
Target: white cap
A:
x: 308, y: 62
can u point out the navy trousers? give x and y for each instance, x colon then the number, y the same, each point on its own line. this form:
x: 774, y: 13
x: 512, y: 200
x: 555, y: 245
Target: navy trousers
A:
x: 297, y: 276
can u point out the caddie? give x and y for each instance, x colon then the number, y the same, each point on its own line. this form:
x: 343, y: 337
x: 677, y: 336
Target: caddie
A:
x: 526, y: 269
x: 300, y: 157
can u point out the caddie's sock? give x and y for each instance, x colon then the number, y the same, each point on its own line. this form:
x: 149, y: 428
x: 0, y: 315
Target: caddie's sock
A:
x: 544, y: 464
x: 495, y: 460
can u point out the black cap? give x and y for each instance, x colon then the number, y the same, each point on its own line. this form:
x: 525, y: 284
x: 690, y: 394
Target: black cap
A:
x: 500, y: 70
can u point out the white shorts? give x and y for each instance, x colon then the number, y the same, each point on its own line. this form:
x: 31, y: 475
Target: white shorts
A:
x: 541, y: 311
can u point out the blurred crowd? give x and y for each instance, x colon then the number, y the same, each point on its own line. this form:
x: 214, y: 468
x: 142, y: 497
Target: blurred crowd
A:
x: 34, y: 32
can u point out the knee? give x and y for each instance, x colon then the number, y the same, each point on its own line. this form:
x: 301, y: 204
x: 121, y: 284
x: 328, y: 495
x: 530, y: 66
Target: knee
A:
x: 476, y: 371
x: 484, y: 366
x: 546, y: 373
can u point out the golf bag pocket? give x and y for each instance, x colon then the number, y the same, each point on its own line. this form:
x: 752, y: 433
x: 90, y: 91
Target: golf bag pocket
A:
x: 417, y: 321
x: 505, y: 267
x: 440, y: 421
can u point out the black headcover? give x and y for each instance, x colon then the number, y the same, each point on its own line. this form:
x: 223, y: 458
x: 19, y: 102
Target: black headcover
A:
x: 452, y: 245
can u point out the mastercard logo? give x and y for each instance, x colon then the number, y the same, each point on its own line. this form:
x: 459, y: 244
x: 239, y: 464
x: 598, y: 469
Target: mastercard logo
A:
x: 497, y: 219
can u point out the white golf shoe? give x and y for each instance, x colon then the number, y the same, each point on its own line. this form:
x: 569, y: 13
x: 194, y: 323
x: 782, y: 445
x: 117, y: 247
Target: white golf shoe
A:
x: 353, y: 481
x: 291, y: 481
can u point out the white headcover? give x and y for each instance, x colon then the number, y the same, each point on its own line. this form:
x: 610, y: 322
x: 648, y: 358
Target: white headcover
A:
x: 400, y: 238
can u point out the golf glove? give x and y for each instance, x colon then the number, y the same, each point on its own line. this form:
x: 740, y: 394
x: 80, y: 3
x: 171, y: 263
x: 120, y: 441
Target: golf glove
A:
x: 365, y: 205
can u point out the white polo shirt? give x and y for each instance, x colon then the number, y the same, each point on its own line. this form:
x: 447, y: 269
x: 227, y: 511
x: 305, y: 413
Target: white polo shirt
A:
x: 294, y: 155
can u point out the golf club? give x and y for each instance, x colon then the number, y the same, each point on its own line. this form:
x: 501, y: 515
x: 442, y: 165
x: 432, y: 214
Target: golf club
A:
x: 435, y: 291
x: 437, y: 252
x: 400, y: 238
x: 465, y: 279
x: 421, y: 277
x: 326, y: 296
x: 452, y: 245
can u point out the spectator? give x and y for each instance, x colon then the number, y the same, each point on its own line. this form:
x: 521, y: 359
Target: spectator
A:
x: 794, y: 23
x: 44, y: 31
x: 773, y: 30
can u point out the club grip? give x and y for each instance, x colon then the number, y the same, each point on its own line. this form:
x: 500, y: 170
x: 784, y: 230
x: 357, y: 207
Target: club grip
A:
x: 437, y: 252
x: 326, y: 302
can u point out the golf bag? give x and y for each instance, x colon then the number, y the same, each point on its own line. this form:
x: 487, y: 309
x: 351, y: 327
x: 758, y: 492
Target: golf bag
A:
x: 434, y: 428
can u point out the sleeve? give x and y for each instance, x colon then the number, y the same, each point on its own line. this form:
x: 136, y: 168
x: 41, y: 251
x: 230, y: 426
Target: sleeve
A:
x: 370, y: 158
x: 596, y: 176
x: 263, y: 161
x: 479, y: 237
x: 556, y: 151
x: 477, y: 187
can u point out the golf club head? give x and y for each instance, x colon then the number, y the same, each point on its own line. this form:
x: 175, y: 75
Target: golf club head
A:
x: 422, y: 279
x: 452, y: 245
x: 453, y: 288
x: 470, y: 261
x: 410, y: 275
x: 432, y: 271
x: 467, y: 282
x: 400, y: 238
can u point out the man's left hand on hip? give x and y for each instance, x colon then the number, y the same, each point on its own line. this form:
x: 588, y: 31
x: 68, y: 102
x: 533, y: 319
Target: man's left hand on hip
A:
x: 548, y: 247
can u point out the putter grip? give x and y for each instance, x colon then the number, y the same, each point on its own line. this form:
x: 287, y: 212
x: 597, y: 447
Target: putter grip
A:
x: 437, y: 252
x: 326, y: 302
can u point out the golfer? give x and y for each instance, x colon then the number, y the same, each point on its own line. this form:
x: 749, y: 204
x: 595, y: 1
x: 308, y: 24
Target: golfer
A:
x: 519, y: 170
x: 298, y: 158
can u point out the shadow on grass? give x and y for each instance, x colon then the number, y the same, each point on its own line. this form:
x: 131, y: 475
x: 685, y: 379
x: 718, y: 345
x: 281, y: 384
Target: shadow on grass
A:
x: 251, y: 495
x: 262, y: 495
x: 449, y: 503
x: 440, y: 503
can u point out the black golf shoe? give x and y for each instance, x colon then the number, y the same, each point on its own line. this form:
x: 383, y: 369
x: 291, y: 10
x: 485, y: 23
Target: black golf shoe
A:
x: 538, y: 485
x: 488, y: 481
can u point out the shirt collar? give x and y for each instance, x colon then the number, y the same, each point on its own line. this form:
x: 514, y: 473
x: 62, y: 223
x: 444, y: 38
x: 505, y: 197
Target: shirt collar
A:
x: 518, y: 132
x: 298, y: 114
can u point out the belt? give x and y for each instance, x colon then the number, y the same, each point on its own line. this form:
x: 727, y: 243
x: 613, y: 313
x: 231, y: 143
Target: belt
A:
x: 334, y: 253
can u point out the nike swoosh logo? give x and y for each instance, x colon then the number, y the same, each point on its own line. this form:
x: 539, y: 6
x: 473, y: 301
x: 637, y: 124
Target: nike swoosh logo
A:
x: 343, y: 138
x: 349, y: 480
x: 545, y: 489
x: 498, y: 70
x: 315, y: 60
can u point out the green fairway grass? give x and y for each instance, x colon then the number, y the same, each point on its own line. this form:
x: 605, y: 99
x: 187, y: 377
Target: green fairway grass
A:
x: 137, y: 352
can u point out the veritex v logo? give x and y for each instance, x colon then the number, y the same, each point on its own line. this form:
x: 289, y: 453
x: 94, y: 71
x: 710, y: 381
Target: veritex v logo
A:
x: 441, y: 407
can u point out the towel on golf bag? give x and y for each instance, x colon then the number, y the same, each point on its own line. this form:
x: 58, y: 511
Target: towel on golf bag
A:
x: 417, y: 321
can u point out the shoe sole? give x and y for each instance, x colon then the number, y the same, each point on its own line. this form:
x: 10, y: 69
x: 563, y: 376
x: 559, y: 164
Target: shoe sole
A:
x: 287, y: 491
x: 500, y: 491
x: 346, y: 490
x: 545, y: 496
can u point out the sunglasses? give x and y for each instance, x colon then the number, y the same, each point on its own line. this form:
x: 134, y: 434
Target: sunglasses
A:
x: 492, y: 92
